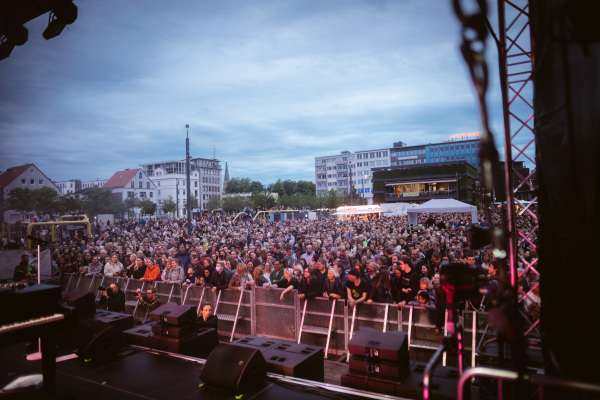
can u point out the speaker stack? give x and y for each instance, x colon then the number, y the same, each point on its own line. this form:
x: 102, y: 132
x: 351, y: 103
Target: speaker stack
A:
x: 175, y: 329
x: 287, y: 358
x: 379, y: 362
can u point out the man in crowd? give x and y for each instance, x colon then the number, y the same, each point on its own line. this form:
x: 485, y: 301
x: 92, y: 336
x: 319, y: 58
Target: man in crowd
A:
x: 150, y: 302
x: 24, y: 271
x: 356, y: 288
x: 113, y: 299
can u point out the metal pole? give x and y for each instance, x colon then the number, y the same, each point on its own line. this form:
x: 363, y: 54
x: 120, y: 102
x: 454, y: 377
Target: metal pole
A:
x: 187, y: 176
x: 177, y: 195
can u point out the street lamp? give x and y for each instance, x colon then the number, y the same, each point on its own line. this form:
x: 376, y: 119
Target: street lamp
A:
x: 363, y: 185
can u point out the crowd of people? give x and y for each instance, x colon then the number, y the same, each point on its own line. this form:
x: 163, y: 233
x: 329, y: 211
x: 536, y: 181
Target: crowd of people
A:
x: 383, y: 260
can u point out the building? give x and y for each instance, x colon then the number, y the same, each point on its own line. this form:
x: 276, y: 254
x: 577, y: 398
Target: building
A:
x: 340, y: 172
x: 26, y: 176
x: 97, y: 183
x: 70, y: 186
x: 170, y: 180
x: 132, y: 183
x: 424, y: 182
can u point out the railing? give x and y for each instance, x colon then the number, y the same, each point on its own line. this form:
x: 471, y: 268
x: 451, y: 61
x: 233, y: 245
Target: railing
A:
x: 326, y: 323
x: 422, y: 193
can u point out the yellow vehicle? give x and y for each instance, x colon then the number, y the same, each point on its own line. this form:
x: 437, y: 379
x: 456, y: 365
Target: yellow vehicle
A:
x: 52, y: 231
x: 81, y: 217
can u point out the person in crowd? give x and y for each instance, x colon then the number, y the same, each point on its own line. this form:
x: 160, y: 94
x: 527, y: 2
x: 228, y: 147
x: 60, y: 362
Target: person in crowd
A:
x: 320, y: 272
x: 207, y: 318
x: 94, y: 268
x: 241, y: 279
x: 131, y: 259
x: 381, y: 290
x: 190, y: 277
x: 150, y: 302
x: 288, y: 282
x: 113, y: 267
x: 426, y: 285
x: 113, y: 299
x: 258, y: 276
x: 173, y: 273
x: 423, y: 300
x: 356, y: 288
x: 332, y: 286
x: 308, y: 287
x: 139, y: 269
x: 24, y: 271
x: 409, y: 281
x: 152, y: 271
x: 308, y: 256
x: 277, y: 273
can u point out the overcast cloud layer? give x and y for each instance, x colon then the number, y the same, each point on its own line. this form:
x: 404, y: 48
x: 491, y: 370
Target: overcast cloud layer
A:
x: 266, y: 85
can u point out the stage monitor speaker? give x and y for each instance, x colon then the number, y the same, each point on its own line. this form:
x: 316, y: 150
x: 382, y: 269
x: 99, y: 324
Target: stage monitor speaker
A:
x: 233, y: 367
x: 83, y: 302
x: 98, y: 339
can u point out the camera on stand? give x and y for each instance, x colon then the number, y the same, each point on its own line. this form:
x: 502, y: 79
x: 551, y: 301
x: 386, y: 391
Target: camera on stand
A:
x: 102, y: 288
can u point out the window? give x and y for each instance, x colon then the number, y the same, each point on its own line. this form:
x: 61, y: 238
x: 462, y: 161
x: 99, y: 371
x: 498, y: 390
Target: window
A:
x: 140, y: 175
x: 132, y: 185
x: 142, y: 194
x: 31, y: 181
x: 147, y: 185
x: 22, y: 181
x: 140, y: 185
x: 41, y: 182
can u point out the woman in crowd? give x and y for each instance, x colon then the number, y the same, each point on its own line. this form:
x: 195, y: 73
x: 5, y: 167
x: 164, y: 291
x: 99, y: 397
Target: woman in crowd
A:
x: 207, y: 318
x: 241, y: 278
x: 332, y: 287
x: 381, y: 290
x: 288, y: 282
x: 308, y: 288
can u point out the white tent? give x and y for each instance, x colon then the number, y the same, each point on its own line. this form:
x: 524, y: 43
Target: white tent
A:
x: 440, y: 207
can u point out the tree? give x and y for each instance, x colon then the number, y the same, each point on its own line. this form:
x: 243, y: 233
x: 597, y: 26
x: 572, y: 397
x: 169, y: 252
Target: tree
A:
x: 130, y: 203
x: 290, y: 187
x: 214, y: 203
x: 306, y: 187
x: 148, y: 207
x: 19, y: 199
x: 169, y: 206
x: 44, y: 199
x: 68, y: 202
x: 234, y: 203
x: 278, y: 188
x: 99, y: 201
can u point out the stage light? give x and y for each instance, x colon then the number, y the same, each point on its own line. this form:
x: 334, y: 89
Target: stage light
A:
x: 63, y: 13
x: 13, y: 36
x: 6, y: 48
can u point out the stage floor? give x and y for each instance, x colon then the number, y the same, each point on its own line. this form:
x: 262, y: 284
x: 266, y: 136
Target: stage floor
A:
x: 136, y: 374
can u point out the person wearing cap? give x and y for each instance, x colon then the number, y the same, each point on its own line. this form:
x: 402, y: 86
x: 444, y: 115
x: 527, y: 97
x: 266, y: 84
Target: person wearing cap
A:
x: 356, y: 288
x: 24, y: 271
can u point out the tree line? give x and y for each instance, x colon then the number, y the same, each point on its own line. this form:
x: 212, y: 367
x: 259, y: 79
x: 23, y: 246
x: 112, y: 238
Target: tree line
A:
x: 290, y: 194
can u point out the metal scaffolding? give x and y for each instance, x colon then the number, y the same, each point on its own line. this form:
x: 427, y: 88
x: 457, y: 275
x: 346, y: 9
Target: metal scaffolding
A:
x: 516, y: 60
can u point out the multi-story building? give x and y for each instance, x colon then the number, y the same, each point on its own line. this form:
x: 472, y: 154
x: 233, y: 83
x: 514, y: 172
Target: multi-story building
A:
x: 170, y: 180
x: 67, y: 187
x: 97, y: 183
x: 339, y: 172
x: 26, y: 176
x: 131, y: 183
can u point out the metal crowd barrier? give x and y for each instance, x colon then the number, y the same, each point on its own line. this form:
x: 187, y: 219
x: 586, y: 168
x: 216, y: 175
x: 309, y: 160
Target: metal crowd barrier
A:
x: 320, y: 322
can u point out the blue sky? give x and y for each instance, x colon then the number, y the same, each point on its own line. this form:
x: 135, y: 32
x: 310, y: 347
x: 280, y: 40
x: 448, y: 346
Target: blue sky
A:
x: 267, y: 85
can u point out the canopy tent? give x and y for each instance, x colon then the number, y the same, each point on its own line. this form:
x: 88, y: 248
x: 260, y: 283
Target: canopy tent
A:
x: 440, y: 207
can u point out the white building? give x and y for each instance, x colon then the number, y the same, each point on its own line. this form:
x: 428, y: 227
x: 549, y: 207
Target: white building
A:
x: 338, y: 172
x: 170, y: 180
x: 97, y: 183
x: 132, y: 183
x: 70, y: 186
x: 26, y: 176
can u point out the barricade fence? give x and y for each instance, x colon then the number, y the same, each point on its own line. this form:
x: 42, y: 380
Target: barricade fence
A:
x: 261, y: 312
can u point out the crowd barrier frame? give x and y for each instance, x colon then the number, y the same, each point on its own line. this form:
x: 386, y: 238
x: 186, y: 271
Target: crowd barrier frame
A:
x: 318, y: 322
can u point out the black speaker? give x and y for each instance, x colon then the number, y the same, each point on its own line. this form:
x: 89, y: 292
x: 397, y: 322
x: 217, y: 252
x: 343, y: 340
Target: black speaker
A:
x: 98, y: 339
x: 83, y: 302
x: 233, y: 367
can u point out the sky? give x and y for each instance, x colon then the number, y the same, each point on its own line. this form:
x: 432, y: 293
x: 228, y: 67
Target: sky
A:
x: 265, y: 85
